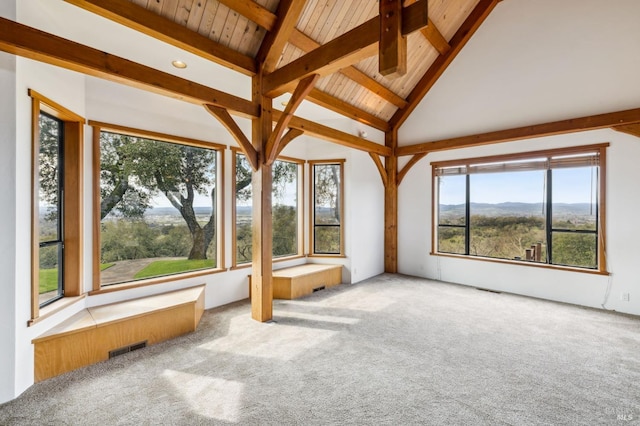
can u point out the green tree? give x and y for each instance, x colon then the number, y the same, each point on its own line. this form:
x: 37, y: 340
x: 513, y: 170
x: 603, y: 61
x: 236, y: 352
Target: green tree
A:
x: 137, y: 169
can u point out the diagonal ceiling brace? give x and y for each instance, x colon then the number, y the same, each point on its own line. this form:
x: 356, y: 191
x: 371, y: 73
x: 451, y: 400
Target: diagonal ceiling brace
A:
x: 402, y: 173
x: 303, y: 89
x: 630, y: 129
x: 285, y: 139
x: 228, y: 122
x: 381, y: 168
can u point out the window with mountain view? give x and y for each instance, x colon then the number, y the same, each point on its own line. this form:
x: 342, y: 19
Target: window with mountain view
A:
x: 158, y: 207
x: 542, y: 207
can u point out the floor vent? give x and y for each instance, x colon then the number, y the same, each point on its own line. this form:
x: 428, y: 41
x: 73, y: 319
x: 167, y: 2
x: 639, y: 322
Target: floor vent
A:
x: 488, y: 290
x: 125, y: 349
x: 318, y: 288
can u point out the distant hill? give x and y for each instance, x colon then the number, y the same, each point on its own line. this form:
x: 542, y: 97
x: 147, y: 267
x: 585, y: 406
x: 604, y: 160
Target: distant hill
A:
x: 517, y: 209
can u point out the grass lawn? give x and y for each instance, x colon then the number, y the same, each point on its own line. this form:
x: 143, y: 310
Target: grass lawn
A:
x: 167, y: 267
x: 104, y: 266
x: 48, y: 278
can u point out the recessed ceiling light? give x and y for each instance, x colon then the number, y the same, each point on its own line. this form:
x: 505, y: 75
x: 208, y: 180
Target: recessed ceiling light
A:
x: 178, y: 64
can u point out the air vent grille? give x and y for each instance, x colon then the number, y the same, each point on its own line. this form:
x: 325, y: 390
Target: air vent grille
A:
x: 125, y: 349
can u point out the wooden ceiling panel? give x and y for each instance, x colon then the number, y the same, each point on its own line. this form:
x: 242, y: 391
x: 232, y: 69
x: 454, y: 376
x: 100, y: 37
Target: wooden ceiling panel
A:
x: 208, y: 14
x: 183, y: 11
x: 320, y: 21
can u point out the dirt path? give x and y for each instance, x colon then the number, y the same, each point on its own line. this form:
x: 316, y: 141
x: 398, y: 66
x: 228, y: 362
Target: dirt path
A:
x: 124, y: 270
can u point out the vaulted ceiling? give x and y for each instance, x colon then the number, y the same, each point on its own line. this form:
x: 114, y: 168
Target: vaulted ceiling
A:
x: 292, y: 39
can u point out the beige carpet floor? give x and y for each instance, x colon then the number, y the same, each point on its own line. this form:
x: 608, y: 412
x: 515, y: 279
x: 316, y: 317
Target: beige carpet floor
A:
x: 391, y: 350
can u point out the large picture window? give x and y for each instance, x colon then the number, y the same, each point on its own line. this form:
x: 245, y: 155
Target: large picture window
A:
x: 57, y: 204
x: 158, y: 206
x: 327, y: 211
x: 542, y: 207
x: 286, y: 200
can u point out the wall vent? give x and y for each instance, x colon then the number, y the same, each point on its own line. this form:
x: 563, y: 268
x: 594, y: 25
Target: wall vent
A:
x: 125, y: 349
x: 318, y: 288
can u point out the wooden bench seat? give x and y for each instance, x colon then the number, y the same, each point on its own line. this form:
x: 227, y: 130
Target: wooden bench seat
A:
x: 93, y: 333
x: 298, y: 281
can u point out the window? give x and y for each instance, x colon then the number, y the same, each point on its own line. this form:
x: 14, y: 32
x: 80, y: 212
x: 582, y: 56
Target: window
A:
x: 327, y: 233
x: 242, y: 211
x: 542, y: 207
x: 50, y: 207
x: 286, y: 201
x: 57, y: 203
x: 158, y: 206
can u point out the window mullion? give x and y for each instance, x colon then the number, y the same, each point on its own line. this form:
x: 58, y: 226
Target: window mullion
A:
x: 467, y: 215
x: 549, y: 216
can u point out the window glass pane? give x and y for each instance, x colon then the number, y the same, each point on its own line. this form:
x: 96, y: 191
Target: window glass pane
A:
x: 49, y: 178
x: 574, y: 249
x: 574, y: 198
x: 285, y: 208
x: 451, y: 239
x: 326, y: 239
x: 327, y: 194
x: 49, y: 277
x: 507, y: 214
x: 243, y: 210
x: 452, y: 200
x: 158, y: 208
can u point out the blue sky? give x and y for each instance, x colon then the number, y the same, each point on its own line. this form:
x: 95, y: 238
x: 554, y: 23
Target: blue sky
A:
x: 571, y: 185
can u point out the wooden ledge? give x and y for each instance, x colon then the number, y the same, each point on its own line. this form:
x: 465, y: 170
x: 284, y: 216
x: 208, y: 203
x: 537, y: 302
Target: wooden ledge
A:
x: 97, y: 333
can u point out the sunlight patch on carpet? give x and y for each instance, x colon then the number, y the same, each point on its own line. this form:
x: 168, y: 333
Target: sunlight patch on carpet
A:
x: 318, y: 318
x: 209, y: 397
x: 264, y: 340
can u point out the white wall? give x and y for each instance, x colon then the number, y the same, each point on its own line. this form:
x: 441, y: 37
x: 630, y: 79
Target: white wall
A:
x: 571, y: 287
x: 534, y: 62
x: 7, y: 215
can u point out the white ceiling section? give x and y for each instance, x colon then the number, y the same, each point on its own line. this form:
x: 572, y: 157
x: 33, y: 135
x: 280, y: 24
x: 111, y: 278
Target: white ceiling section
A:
x: 535, y: 61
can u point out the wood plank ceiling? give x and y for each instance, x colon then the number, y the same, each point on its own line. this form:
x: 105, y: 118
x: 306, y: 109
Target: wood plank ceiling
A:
x: 358, y: 91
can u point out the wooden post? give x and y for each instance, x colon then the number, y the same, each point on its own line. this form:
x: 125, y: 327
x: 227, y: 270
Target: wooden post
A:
x: 392, y: 48
x: 262, y: 224
x: 391, y: 205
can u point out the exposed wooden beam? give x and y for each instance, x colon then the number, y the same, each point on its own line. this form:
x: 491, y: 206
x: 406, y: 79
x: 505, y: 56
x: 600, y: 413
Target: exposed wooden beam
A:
x: 402, y: 173
x: 392, y: 48
x: 253, y: 11
x: 229, y: 123
x: 19, y: 39
x: 275, y: 40
x: 391, y: 205
x: 307, y: 44
x: 303, y: 89
x: 630, y: 129
x: 432, y: 34
x: 261, y: 215
x: 592, y: 122
x: 380, y: 167
x: 343, y: 51
x: 267, y: 20
x: 140, y: 19
x: 286, y: 139
x: 459, y: 40
x: 336, y: 136
x: 341, y: 107
x: 435, y: 37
